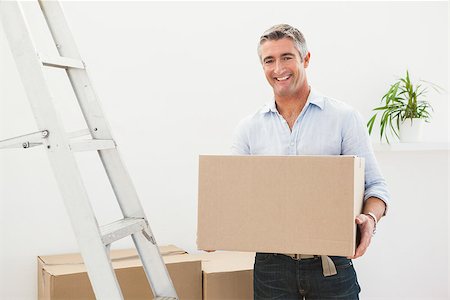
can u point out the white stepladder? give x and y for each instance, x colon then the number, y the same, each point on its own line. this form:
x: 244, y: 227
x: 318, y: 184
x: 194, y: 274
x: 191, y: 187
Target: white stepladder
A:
x: 93, y: 240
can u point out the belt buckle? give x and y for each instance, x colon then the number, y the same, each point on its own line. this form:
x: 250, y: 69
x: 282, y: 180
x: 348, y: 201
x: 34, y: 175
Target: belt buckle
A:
x: 302, y: 256
x: 297, y: 256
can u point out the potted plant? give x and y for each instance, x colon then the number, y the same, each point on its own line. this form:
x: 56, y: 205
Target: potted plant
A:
x: 404, y: 110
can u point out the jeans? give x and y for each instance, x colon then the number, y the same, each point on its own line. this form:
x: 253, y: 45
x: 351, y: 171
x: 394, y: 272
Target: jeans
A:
x: 278, y: 276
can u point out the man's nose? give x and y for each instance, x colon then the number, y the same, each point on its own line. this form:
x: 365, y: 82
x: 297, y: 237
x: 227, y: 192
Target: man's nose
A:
x: 278, y: 67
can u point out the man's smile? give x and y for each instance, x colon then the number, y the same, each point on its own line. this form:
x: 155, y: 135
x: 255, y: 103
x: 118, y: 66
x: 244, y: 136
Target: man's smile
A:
x: 283, y: 78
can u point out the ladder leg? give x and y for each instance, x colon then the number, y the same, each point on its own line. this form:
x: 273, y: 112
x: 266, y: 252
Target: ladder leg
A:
x: 154, y: 266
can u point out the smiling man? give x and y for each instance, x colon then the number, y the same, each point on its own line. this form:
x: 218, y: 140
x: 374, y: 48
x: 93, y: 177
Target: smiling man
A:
x: 300, y: 121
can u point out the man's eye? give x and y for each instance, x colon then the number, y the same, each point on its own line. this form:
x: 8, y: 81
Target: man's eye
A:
x: 287, y: 58
x: 268, y: 61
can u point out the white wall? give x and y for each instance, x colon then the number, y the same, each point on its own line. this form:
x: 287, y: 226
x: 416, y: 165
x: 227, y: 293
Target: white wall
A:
x: 175, y: 78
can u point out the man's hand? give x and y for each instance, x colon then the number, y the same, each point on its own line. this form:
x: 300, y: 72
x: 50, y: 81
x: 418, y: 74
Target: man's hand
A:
x: 366, y: 225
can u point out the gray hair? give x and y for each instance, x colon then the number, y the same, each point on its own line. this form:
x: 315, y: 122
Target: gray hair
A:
x: 280, y: 31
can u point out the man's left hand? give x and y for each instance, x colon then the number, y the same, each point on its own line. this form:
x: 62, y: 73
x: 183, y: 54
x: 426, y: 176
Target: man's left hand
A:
x: 366, y: 226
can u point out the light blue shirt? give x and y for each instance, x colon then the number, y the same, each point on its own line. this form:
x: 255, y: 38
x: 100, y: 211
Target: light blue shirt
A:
x: 324, y: 127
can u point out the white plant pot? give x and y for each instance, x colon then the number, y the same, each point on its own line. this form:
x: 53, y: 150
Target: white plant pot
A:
x: 411, y: 130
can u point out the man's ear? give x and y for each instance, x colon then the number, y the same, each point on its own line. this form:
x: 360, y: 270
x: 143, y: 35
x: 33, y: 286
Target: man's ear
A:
x: 306, y: 60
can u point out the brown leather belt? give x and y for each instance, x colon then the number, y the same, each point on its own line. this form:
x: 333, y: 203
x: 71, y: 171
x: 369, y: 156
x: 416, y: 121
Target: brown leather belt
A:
x: 328, y: 266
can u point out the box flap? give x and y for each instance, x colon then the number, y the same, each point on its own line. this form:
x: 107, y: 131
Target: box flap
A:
x: 121, y: 258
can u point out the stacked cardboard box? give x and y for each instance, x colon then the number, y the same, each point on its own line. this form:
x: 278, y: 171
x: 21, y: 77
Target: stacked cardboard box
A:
x: 64, y: 277
x: 227, y: 275
x: 209, y: 276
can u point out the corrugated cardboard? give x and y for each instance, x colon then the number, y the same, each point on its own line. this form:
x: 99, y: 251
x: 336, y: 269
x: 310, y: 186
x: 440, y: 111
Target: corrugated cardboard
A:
x: 280, y: 204
x: 227, y: 275
x: 64, y: 276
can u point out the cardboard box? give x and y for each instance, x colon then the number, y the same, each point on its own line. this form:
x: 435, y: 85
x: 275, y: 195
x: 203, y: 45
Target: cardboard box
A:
x: 227, y: 275
x: 64, y: 277
x: 280, y: 204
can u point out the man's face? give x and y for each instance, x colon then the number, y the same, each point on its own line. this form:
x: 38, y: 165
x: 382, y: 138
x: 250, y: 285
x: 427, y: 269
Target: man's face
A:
x: 283, y: 67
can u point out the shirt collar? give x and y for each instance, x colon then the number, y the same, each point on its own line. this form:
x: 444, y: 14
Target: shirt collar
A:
x: 313, y: 98
x: 316, y: 99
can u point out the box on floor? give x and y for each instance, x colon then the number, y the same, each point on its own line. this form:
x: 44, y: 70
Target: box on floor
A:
x: 280, y: 204
x: 64, y: 276
x: 227, y: 275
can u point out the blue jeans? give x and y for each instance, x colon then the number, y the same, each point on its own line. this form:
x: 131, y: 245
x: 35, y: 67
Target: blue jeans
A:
x: 278, y: 276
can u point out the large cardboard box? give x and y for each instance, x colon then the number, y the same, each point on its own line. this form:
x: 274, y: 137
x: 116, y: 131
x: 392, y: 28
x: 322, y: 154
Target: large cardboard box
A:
x: 227, y: 275
x: 280, y: 204
x: 64, y: 277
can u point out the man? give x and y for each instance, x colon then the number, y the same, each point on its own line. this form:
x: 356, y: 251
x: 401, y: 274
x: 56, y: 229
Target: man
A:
x: 300, y: 121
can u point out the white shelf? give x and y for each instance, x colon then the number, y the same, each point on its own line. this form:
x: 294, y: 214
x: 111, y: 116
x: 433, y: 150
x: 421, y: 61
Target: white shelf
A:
x: 425, y: 146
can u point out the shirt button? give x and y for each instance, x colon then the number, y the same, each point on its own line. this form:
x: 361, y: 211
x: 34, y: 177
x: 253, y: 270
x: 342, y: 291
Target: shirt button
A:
x: 292, y: 143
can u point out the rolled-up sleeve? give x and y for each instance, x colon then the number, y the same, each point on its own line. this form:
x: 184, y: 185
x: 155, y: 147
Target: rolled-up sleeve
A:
x: 356, y: 141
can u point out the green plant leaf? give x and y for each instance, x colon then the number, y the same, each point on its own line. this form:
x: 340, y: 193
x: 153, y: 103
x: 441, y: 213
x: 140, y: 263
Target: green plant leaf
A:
x: 371, y: 122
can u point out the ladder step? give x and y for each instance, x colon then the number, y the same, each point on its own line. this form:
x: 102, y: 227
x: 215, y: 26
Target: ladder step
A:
x: 90, y: 145
x: 62, y: 62
x: 121, y: 228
